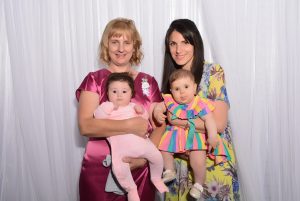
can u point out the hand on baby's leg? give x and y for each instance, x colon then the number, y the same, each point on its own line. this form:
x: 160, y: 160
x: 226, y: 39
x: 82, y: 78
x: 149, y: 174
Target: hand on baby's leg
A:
x: 139, y: 109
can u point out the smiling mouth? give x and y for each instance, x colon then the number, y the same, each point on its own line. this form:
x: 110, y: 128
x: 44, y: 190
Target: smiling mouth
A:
x: 120, y: 55
x: 179, y: 56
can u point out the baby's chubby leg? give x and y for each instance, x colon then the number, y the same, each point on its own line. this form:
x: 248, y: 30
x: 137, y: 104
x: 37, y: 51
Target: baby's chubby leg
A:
x: 122, y: 173
x: 198, y: 164
x: 170, y: 173
x: 153, y: 155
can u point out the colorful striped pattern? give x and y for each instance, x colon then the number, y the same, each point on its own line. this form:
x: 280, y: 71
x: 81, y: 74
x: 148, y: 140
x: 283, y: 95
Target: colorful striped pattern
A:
x: 178, y: 140
x: 174, y: 140
x: 199, y: 107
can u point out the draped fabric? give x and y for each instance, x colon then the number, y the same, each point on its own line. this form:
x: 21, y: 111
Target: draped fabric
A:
x: 47, y: 47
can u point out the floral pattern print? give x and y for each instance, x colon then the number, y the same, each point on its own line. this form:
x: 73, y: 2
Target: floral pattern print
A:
x: 221, y: 180
x: 145, y: 86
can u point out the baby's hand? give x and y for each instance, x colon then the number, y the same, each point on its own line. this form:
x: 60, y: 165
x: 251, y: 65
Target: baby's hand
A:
x: 158, y: 112
x: 213, y: 141
x: 139, y: 109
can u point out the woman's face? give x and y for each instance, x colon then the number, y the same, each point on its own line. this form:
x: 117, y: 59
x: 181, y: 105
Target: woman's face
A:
x: 120, y: 50
x: 181, y: 50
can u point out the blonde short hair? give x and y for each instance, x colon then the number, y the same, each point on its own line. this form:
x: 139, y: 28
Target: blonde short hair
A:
x: 118, y: 27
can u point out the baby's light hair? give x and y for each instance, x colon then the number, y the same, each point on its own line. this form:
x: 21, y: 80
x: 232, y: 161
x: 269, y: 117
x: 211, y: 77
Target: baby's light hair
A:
x: 181, y: 73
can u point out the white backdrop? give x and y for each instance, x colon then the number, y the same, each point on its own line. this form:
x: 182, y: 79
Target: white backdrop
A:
x: 47, y: 47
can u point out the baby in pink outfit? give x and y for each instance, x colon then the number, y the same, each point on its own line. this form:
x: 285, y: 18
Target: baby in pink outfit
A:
x: 120, y: 90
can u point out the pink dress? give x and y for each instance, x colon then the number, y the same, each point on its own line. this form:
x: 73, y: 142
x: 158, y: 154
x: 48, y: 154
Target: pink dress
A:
x: 179, y: 140
x: 133, y: 146
x: 93, y: 174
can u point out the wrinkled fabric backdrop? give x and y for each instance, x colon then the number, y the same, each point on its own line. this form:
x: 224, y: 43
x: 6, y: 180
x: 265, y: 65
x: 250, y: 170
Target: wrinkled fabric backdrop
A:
x: 47, y: 47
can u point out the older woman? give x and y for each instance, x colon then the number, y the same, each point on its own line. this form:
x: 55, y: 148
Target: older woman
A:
x: 120, y: 50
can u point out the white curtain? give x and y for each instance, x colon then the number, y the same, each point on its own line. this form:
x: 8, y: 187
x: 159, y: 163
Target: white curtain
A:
x: 47, y: 47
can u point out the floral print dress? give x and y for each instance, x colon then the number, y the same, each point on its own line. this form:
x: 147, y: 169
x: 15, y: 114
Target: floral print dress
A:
x: 221, y: 179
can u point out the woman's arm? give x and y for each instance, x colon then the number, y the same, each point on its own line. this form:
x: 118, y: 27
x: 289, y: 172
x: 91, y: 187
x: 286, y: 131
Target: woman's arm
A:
x: 176, y: 122
x: 159, y: 127
x: 158, y: 113
x: 220, y: 114
x: 157, y: 134
x: 91, y: 127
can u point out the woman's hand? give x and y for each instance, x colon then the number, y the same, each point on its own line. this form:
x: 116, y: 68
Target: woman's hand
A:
x: 158, y: 112
x: 199, y: 124
x: 134, y: 163
x: 138, y: 126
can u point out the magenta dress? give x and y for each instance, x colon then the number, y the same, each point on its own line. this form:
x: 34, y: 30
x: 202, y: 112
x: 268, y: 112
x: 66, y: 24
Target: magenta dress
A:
x: 93, y: 174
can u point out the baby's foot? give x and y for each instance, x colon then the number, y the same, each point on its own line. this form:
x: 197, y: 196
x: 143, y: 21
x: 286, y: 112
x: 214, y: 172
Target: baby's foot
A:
x: 160, y: 185
x: 169, y: 175
x: 196, y: 191
x: 133, y: 195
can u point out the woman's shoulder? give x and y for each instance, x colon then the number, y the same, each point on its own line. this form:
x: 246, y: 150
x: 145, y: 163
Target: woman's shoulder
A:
x: 93, y: 82
x: 145, y: 78
x: 212, y: 67
x: 96, y: 75
x: 100, y: 73
x: 145, y: 75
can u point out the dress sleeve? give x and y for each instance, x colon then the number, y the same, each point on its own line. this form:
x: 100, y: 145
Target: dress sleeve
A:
x: 169, y: 101
x: 88, y: 84
x: 205, y: 106
x: 217, y: 88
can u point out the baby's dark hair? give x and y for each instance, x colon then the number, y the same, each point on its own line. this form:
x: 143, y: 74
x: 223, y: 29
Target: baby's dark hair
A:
x: 180, y: 73
x: 121, y: 77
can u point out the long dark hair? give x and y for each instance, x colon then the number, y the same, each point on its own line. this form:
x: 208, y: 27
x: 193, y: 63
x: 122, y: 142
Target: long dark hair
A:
x: 190, y: 33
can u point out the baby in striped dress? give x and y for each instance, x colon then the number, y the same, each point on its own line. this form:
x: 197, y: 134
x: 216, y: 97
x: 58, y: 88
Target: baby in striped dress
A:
x: 183, y: 106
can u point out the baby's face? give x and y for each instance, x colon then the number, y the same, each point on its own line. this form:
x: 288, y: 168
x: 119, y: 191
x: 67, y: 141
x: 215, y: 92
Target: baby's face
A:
x: 183, y: 90
x: 119, y: 93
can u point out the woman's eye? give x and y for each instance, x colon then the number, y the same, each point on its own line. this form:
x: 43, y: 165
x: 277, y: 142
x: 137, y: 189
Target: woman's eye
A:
x: 171, y: 44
